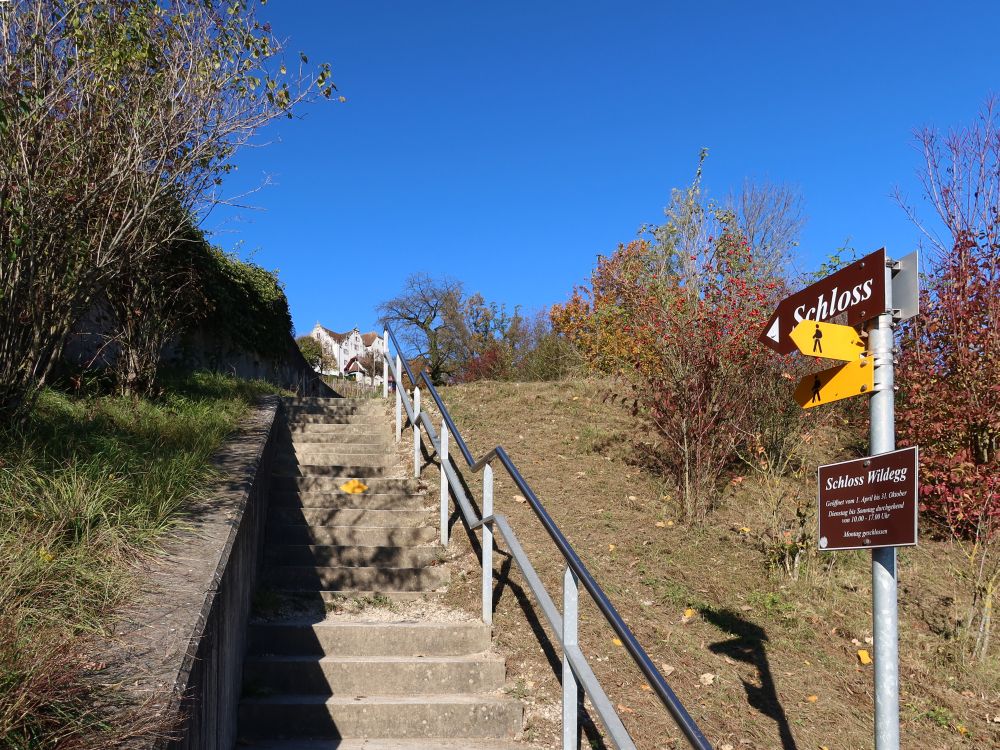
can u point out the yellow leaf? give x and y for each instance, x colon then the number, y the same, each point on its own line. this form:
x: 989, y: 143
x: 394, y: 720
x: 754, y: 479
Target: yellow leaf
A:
x: 864, y: 657
x: 647, y: 688
x: 960, y: 728
x: 812, y: 698
x: 689, y: 612
x: 744, y: 530
x: 45, y: 555
x: 611, y: 548
x: 353, y: 487
x: 670, y: 523
x: 616, y: 641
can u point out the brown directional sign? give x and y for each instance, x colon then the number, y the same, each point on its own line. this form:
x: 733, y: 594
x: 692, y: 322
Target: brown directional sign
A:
x: 857, y: 290
x: 869, y: 502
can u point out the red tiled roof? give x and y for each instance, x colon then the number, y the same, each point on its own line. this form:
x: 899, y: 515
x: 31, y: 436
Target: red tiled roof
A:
x: 369, y: 338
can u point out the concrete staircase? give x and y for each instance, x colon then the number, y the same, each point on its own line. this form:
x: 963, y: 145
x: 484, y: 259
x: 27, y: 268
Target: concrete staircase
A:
x: 315, y: 680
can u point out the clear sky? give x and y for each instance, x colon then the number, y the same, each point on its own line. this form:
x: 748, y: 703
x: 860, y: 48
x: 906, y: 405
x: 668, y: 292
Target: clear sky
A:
x: 507, y: 144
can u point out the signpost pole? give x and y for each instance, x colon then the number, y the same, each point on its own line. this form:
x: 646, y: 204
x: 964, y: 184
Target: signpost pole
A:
x: 882, y: 439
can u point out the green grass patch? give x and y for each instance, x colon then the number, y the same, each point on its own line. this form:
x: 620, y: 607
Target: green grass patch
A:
x: 87, y: 486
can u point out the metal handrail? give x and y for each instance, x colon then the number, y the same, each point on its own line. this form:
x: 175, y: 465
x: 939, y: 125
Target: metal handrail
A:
x: 658, y: 683
x: 402, y: 359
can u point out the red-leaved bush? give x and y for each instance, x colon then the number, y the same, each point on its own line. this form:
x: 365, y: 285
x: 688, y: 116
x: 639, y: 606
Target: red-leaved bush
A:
x: 949, y: 371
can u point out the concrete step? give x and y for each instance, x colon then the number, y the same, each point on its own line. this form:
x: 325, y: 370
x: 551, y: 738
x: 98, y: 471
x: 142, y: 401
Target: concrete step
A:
x: 332, y: 555
x: 367, y: 405
x: 323, y: 483
x: 297, y: 420
x: 369, y: 638
x: 351, y: 536
x: 331, y: 446
x: 336, y: 500
x: 285, y: 470
x: 390, y: 744
x: 350, y: 517
x: 365, y: 675
x: 356, y: 578
x: 333, y: 458
x: 346, y: 400
x: 375, y: 427
x: 454, y: 716
x: 336, y: 458
x: 315, y: 438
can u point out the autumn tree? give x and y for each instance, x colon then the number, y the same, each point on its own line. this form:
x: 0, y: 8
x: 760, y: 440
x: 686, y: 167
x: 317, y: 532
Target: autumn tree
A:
x: 949, y: 372
x: 676, y: 314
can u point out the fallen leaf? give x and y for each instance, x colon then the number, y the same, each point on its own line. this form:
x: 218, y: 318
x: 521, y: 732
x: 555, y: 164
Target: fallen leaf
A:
x: 660, y: 524
x: 353, y: 487
x: 864, y: 657
x: 625, y: 709
x: 960, y: 728
x: 646, y: 687
x: 519, y: 499
x: 727, y: 746
x: 744, y: 529
x: 616, y: 641
x: 689, y: 613
x: 812, y: 698
x: 632, y: 498
x: 706, y: 679
x: 670, y: 523
x: 576, y: 398
x: 855, y: 641
x: 669, y: 669
x: 612, y: 547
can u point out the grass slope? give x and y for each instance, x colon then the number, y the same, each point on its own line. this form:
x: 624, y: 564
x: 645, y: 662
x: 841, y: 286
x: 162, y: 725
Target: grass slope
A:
x: 87, y: 485
x: 758, y: 660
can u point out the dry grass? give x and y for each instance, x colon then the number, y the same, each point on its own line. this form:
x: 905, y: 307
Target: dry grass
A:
x: 783, y: 653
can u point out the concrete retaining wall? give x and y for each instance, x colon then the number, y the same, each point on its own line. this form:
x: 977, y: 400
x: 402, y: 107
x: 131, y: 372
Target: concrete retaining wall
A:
x: 185, y: 640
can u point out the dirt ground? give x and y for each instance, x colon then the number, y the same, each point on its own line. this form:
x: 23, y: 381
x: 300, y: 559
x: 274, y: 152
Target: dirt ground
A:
x: 759, y: 661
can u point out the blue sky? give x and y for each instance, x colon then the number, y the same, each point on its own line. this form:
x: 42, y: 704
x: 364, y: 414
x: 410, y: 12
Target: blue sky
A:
x: 507, y: 144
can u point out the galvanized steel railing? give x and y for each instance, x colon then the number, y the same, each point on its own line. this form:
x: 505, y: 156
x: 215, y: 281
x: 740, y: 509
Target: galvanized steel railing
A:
x: 576, y: 671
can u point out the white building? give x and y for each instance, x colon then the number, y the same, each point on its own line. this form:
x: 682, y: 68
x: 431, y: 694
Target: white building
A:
x: 352, y: 354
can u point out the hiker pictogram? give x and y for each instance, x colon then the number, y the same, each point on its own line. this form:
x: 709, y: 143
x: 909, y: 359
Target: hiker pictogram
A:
x: 815, y: 390
x: 817, y: 340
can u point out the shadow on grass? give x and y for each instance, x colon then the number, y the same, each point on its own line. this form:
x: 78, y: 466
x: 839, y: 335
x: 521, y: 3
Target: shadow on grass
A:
x: 748, y: 646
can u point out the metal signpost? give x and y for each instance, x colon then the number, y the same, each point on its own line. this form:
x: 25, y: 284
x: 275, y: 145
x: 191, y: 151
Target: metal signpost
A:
x: 869, y: 503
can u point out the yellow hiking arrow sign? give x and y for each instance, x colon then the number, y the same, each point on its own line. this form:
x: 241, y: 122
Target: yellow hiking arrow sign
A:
x: 827, y: 340
x: 852, y: 379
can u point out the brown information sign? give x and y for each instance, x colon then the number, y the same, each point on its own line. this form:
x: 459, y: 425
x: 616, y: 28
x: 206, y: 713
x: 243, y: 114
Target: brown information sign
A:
x: 869, y: 502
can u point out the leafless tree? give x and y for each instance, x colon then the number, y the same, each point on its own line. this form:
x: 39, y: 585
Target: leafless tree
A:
x: 427, y: 317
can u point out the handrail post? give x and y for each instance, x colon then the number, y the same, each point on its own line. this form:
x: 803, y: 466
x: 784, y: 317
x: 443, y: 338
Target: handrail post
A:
x: 385, y: 363
x: 487, y: 545
x: 416, y: 432
x: 571, y: 689
x: 443, y: 457
x: 399, y: 399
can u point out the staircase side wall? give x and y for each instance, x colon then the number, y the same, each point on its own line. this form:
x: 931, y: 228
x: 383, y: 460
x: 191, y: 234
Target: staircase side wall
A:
x: 209, y: 679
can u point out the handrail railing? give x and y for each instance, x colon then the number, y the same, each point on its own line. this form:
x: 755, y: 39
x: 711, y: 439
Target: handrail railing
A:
x: 576, y: 669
